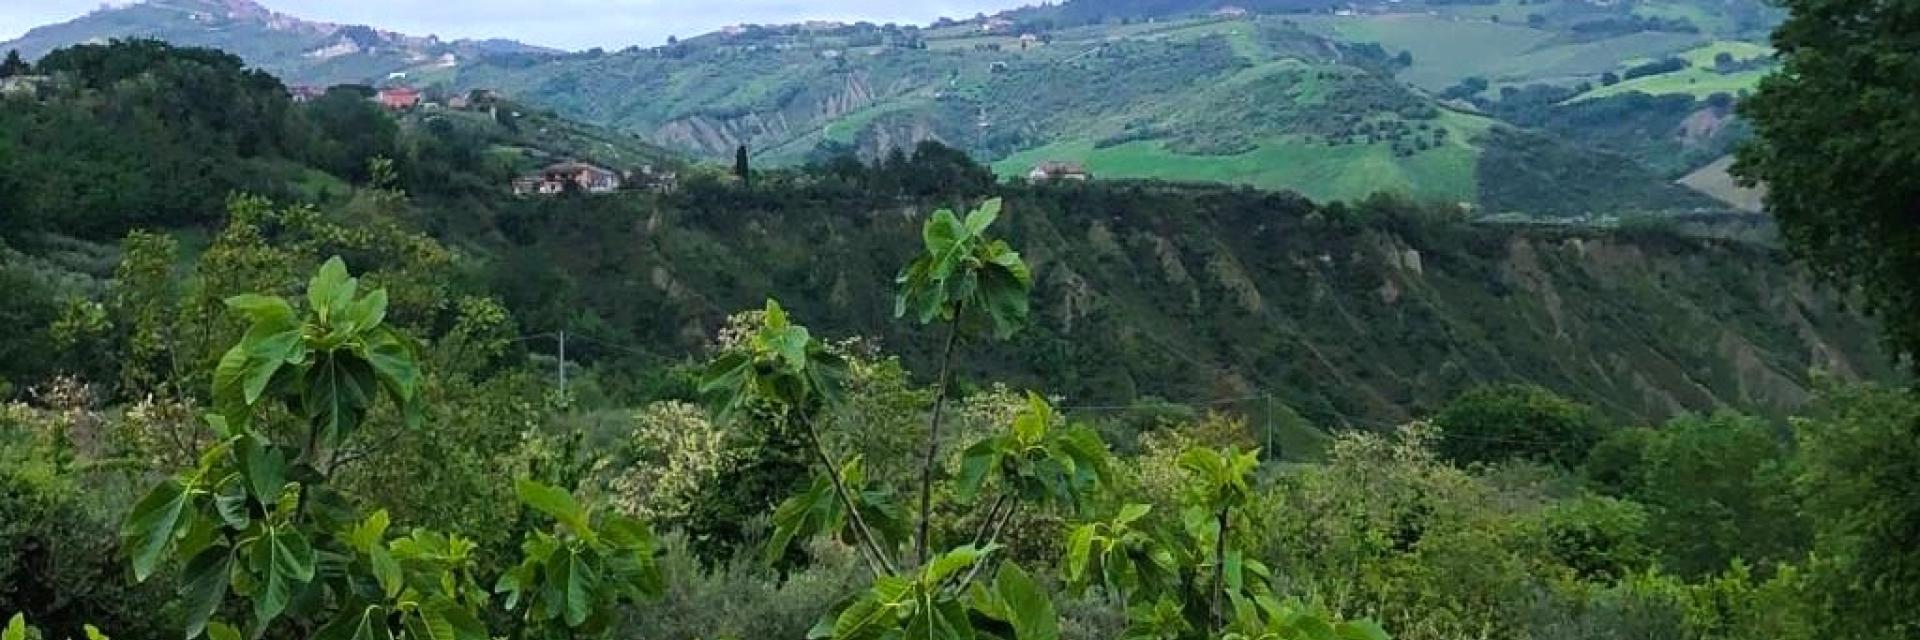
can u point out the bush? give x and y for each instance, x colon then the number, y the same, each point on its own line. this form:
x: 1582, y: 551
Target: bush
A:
x: 59, y: 560
x: 1720, y: 489
x: 1492, y: 424
x: 741, y: 598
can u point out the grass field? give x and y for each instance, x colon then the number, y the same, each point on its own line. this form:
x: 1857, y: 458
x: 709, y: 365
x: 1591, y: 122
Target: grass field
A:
x: 1444, y: 50
x: 1314, y: 170
x: 1448, y: 49
x: 1699, y: 80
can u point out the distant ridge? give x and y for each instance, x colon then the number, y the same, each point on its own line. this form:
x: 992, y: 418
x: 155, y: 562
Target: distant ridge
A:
x: 298, y: 50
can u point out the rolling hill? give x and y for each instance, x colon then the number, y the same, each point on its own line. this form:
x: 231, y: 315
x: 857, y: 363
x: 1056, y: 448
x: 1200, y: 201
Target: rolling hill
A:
x: 298, y: 51
x: 1335, y: 102
x: 1257, y: 100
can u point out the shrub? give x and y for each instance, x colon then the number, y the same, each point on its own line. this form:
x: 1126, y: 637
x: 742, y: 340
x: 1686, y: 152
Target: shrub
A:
x: 1506, y: 422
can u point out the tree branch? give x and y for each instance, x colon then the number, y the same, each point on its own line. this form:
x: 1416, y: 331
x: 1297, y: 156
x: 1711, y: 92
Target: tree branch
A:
x: 1219, y: 568
x: 997, y: 530
x: 933, y: 436
x: 877, y: 559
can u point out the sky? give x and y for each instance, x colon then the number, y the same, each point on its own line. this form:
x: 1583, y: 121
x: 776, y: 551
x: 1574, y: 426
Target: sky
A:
x: 564, y: 24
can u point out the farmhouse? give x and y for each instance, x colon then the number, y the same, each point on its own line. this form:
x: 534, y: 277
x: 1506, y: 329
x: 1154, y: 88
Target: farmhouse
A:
x: 1231, y: 12
x: 398, y: 98
x: 555, y: 178
x: 1056, y: 171
x: 303, y: 94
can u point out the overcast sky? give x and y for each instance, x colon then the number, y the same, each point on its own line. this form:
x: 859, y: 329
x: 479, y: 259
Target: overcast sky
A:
x: 566, y: 24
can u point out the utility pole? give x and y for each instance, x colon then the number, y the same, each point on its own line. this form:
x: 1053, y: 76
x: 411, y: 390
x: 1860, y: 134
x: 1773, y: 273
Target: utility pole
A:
x: 563, y: 363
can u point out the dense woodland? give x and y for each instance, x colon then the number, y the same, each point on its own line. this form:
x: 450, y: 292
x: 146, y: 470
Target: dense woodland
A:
x: 301, y: 399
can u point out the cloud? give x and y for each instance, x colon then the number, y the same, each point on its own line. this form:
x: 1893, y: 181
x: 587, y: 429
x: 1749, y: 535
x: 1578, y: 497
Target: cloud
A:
x: 569, y: 24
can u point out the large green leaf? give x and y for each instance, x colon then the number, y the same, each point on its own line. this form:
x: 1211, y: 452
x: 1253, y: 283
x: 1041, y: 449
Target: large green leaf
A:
x: 229, y: 387
x: 230, y: 503
x: 443, y: 619
x: 16, y: 628
x: 983, y: 217
x: 1080, y: 551
x: 580, y: 584
x: 268, y: 349
x: 875, y: 612
x: 331, y: 290
x: 264, y: 467
x: 368, y: 312
x: 336, y: 392
x: 941, y: 619
x: 222, y: 631
x: 951, y: 562
x: 1032, y: 611
x: 942, y: 234
x: 1030, y: 424
x: 555, y: 502
x: 978, y: 460
x: 368, y: 623
x: 279, y: 559
x: 261, y: 309
x: 203, y: 586
x: 154, y: 522
x: 394, y: 362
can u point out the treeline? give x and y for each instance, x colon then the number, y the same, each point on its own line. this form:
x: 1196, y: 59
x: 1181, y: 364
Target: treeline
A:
x: 139, y: 133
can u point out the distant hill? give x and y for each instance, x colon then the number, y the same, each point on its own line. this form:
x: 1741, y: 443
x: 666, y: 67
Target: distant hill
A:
x: 298, y: 51
x: 1250, y: 100
x: 1350, y: 314
x: 140, y: 133
x: 1334, y: 100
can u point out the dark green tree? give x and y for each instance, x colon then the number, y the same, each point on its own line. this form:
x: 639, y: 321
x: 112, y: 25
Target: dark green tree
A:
x: 1835, y: 131
x: 1859, y: 473
x: 1491, y: 424
x: 14, y: 65
x: 742, y: 166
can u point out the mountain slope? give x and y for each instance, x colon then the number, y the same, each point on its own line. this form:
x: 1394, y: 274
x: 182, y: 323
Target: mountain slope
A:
x: 1349, y: 315
x: 1250, y: 101
x: 1177, y: 90
x: 299, y: 51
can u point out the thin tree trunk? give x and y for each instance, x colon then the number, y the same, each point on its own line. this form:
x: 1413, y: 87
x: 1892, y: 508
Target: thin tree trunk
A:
x: 991, y: 539
x: 1219, y: 569
x: 933, y: 437
x: 877, y: 559
x: 986, y: 524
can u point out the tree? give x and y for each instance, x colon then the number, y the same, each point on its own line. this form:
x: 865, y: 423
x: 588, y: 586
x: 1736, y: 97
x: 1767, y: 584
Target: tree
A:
x: 742, y: 167
x: 970, y: 282
x: 1833, y: 145
x: 14, y: 65
x: 1609, y: 79
x: 258, y: 518
x: 1709, y: 481
x: 1859, y: 472
x: 1496, y: 423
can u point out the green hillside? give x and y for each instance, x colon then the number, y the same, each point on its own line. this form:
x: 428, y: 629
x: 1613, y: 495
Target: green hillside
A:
x: 299, y: 51
x: 1259, y: 101
x: 1350, y: 315
x: 1336, y: 102
x: 1703, y: 75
